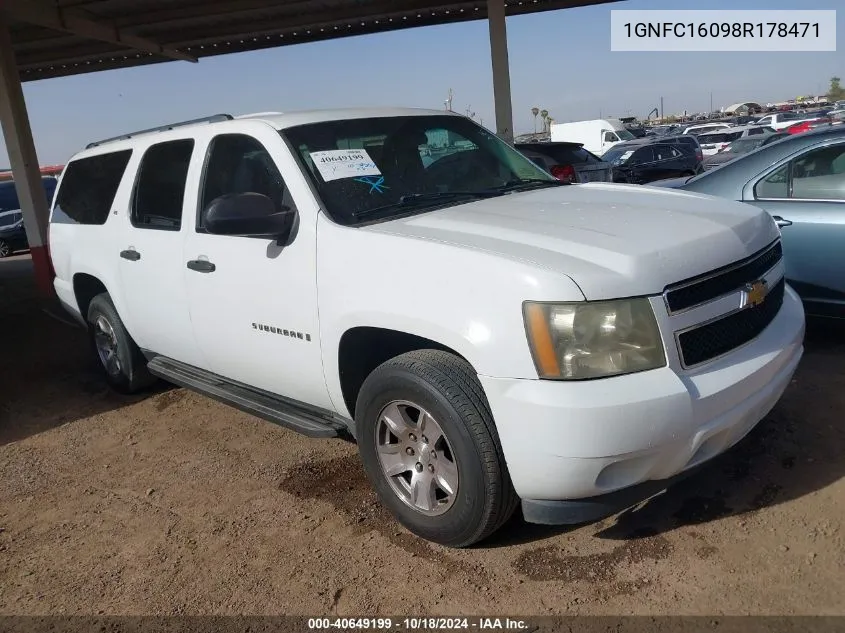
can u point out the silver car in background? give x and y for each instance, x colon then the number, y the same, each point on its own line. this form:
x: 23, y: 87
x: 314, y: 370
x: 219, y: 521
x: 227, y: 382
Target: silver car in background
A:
x: 714, y: 142
x: 800, y: 181
x: 741, y: 146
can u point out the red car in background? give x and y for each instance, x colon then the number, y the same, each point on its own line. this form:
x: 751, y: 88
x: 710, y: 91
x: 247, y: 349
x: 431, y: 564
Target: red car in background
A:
x: 49, y: 170
x: 806, y: 126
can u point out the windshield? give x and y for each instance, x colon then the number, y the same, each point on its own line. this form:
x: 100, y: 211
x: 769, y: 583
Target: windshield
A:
x: 380, y: 168
x: 624, y: 135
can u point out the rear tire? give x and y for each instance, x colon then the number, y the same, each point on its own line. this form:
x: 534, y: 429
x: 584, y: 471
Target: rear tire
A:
x: 424, y: 425
x: 117, y: 355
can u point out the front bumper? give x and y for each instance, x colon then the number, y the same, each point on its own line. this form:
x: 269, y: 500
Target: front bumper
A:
x: 565, y: 441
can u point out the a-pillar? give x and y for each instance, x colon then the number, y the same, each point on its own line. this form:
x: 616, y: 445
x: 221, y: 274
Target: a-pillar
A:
x: 501, y: 69
x: 24, y: 162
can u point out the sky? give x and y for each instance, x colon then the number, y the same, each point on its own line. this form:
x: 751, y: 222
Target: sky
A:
x: 559, y: 61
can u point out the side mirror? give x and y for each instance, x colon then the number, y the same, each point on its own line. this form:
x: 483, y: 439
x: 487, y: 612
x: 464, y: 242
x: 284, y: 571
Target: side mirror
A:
x: 248, y: 215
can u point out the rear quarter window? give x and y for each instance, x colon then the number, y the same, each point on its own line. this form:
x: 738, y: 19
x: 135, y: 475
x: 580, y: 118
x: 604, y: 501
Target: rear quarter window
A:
x: 88, y: 188
x: 8, y: 197
x: 571, y: 155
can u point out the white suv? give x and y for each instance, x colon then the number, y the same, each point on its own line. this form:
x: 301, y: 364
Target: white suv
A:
x: 486, y: 333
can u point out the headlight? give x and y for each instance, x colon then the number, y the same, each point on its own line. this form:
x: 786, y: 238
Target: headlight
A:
x: 574, y: 341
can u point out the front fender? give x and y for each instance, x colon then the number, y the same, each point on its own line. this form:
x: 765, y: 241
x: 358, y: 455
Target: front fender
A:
x: 468, y: 300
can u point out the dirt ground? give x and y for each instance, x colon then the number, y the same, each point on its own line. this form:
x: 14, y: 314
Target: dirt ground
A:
x: 170, y: 503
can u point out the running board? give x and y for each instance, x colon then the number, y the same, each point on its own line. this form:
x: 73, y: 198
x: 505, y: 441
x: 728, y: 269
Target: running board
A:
x: 313, y: 423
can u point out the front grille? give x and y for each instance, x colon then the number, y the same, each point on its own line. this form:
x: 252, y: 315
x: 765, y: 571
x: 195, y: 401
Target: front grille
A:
x: 720, y: 337
x: 721, y: 282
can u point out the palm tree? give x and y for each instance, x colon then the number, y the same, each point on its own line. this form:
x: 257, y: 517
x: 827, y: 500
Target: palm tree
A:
x: 535, y: 112
x: 544, y: 114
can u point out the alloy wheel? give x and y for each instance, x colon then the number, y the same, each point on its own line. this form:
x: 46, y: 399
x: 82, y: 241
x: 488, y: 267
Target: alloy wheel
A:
x: 416, y: 457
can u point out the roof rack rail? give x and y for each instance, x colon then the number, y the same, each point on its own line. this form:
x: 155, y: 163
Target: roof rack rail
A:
x: 214, y: 118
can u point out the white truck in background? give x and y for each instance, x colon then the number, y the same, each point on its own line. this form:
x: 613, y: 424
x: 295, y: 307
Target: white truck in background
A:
x: 597, y: 136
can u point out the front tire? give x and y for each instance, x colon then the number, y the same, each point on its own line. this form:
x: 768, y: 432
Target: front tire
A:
x: 5, y: 249
x: 118, y: 356
x: 430, y: 448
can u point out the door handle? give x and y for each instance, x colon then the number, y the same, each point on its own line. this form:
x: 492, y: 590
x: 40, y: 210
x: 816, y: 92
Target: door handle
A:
x: 781, y: 222
x: 131, y: 254
x: 202, y: 266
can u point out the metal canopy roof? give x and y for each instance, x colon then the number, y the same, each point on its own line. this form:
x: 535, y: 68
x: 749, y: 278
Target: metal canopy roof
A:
x: 53, y: 38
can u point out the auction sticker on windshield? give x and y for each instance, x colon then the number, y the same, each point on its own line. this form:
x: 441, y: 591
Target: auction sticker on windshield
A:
x: 344, y: 163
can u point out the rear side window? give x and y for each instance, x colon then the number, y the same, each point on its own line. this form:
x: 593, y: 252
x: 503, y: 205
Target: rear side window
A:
x: 160, y: 188
x: 8, y: 197
x: 665, y: 152
x: 642, y: 155
x: 88, y: 188
x: 818, y: 174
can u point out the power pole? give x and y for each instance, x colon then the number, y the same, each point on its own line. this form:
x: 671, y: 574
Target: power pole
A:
x: 711, y: 101
x: 661, y: 108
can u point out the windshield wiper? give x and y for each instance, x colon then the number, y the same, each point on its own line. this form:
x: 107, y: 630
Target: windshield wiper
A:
x: 420, y: 199
x: 524, y: 183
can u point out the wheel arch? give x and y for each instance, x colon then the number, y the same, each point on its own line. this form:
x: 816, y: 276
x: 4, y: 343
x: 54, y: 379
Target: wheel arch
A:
x: 363, y: 348
x: 85, y: 287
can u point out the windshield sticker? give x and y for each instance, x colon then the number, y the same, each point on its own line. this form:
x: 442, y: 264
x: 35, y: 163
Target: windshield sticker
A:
x: 344, y: 163
x: 376, y: 184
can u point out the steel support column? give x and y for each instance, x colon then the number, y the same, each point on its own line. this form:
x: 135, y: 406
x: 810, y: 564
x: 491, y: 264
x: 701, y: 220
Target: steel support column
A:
x: 24, y: 161
x: 501, y: 70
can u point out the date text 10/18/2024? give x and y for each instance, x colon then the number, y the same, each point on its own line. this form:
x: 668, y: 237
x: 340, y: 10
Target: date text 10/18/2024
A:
x: 418, y: 624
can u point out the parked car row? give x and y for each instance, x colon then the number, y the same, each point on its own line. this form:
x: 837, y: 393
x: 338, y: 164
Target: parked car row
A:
x: 794, y: 171
x: 800, y: 180
x: 638, y: 161
x: 12, y: 230
x: 739, y: 147
x: 568, y: 162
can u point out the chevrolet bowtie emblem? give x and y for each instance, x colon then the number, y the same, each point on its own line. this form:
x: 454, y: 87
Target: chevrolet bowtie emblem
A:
x: 755, y: 293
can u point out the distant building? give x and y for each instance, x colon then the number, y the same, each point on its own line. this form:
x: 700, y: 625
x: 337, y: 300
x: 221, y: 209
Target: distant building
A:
x: 743, y: 108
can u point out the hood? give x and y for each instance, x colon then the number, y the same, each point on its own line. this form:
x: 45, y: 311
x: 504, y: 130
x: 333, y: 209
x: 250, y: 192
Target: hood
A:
x: 612, y: 240
x: 719, y: 158
x: 671, y: 183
